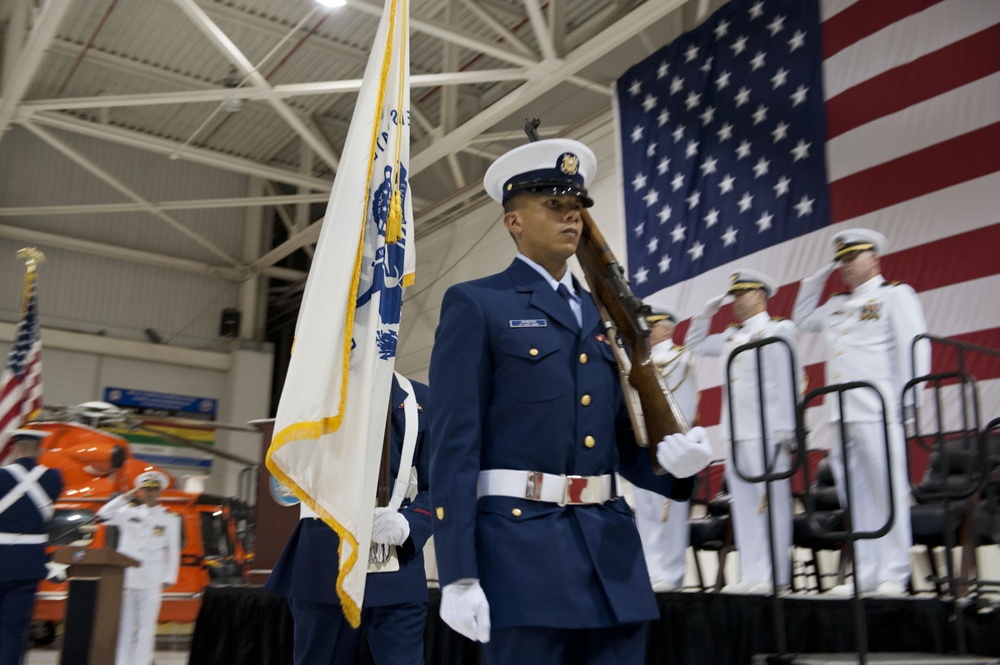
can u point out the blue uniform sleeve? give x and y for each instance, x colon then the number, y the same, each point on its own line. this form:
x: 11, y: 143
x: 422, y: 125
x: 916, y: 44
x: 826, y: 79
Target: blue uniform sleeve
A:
x: 460, y: 373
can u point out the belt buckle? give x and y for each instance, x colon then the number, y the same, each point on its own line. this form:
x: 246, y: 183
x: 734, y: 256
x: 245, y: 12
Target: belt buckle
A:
x: 533, y: 486
x: 581, y: 489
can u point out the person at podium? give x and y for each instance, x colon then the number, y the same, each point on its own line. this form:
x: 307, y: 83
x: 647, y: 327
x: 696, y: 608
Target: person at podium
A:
x: 27, y: 490
x: 151, y: 534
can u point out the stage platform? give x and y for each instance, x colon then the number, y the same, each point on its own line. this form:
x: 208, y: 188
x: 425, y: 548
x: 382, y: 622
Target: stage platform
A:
x: 249, y: 626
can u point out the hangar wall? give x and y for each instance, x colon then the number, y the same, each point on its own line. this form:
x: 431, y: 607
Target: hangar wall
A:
x: 95, y: 309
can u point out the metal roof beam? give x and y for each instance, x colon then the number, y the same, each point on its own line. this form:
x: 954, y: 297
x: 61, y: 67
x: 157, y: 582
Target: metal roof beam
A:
x: 547, y: 74
x: 167, y: 147
x: 278, y: 201
x: 277, y: 92
x: 235, y: 56
x: 30, y: 58
x: 114, y: 182
x: 540, y: 28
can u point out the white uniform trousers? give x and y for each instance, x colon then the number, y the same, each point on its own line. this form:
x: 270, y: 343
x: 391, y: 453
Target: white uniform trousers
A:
x: 750, y: 513
x: 137, y: 627
x: 664, y: 541
x: 886, y: 559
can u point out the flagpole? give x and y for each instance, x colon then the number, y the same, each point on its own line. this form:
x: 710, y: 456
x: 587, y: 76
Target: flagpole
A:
x: 32, y: 259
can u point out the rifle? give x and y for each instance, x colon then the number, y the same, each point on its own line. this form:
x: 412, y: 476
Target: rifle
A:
x: 652, y: 407
x: 382, y: 558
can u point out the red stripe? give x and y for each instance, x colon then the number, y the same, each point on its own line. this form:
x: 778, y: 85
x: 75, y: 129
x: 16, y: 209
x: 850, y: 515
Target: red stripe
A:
x: 982, y: 366
x: 866, y: 18
x: 936, y: 73
x: 944, y: 358
x: 934, y: 168
x: 946, y: 262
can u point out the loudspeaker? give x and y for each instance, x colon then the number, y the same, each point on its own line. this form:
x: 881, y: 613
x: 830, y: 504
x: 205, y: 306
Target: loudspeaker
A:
x: 229, y: 325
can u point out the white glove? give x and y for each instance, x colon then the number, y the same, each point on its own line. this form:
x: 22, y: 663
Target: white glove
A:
x: 712, y: 306
x: 684, y: 455
x: 390, y: 527
x: 465, y: 609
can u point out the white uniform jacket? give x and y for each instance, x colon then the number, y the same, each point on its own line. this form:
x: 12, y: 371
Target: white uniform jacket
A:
x: 676, y: 365
x: 869, y: 334
x: 779, y: 393
x: 150, y: 534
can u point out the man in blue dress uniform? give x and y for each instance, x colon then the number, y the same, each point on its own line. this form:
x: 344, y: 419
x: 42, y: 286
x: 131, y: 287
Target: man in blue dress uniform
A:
x: 395, y: 605
x: 27, y: 490
x: 538, y: 556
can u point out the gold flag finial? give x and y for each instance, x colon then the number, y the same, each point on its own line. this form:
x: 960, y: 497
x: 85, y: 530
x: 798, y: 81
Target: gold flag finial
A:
x: 32, y: 258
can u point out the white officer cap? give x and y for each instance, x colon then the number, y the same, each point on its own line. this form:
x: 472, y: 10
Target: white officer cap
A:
x: 748, y: 280
x: 152, y: 479
x: 858, y: 240
x: 555, y: 166
x: 659, y: 313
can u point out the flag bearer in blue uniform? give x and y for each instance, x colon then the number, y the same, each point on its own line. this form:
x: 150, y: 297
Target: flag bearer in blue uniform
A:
x: 538, y: 556
x: 27, y: 490
x: 395, y: 605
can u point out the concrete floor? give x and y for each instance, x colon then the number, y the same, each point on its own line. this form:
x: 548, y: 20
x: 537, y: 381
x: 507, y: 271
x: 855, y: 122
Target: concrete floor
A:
x: 51, y: 657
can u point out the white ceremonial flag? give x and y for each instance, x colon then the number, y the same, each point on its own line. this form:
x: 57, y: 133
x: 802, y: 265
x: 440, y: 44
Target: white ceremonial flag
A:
x: 331, y: 418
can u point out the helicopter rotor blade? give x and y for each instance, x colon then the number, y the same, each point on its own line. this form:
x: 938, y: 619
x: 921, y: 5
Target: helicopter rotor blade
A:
x: 197, y: 445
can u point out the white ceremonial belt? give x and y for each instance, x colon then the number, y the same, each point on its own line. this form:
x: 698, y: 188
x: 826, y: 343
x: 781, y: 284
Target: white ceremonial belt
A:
x: 23, y: 538
x: 549, y: 487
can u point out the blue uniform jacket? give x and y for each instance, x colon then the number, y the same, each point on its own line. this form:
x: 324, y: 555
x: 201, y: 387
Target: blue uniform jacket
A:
x: 307, y: 568
x: 515, y: 384
x: 25, y: 562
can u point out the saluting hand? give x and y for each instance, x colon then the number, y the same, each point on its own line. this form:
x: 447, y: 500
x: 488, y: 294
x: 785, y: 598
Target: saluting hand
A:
x: 712, y: 306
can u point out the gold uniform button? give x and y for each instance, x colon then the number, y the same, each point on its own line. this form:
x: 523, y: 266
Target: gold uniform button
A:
x: 589, y: 442
x: 533, y: 352
x: 583, y: 358
x: 516, y: 512
x: 585, y: 400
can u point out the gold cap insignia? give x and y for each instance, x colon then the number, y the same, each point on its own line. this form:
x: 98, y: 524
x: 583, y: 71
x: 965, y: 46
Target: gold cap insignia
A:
x: 569, y: 163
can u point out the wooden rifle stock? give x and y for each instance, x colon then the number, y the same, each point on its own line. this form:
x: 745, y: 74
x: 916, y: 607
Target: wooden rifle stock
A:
x: 652, y: 407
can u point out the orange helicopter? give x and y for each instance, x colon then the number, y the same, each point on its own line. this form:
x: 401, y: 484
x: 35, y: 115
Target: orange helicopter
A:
x: 96, y: 465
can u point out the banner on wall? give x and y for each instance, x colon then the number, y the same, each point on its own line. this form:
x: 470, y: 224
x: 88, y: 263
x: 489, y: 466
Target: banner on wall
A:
x: 155, y: 449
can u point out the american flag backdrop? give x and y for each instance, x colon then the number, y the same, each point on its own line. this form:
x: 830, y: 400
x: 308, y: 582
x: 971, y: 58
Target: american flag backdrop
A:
x: 749, y: 141
x: 21, y: 381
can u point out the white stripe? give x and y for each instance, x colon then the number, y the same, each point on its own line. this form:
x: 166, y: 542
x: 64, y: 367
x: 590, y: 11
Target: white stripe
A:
x: 914, y: 222
x: 906, y: 40
x: 830, y: 8
x: 953, y: 310
x: 965, y: 109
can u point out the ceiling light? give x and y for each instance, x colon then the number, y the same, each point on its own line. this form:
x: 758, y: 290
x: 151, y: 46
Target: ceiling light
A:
x: 233, y: 105
x: 332, y: 3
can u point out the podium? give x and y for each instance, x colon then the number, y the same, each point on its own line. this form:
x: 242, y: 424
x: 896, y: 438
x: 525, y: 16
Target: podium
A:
x: 90, y: 635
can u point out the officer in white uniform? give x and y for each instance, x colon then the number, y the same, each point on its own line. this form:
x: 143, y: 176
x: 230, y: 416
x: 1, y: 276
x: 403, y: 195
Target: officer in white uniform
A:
x: 662, y: 522
x: 151, y: 534
x: 869, y: 334
x: 750, y: 291
x: 27, y: 490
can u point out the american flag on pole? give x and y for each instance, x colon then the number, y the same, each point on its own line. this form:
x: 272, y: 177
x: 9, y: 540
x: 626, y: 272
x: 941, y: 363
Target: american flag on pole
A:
x: 21, y: 381
x: 331, y: 417
x: 751, y: 140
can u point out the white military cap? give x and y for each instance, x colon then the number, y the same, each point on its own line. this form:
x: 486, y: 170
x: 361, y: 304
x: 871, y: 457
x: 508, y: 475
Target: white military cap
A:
x: 748, y: 280
x: 659, y: 313
x: 858, y: 240
x: 549, y: 166
x: 34, y: 434
x: 152, y: 479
